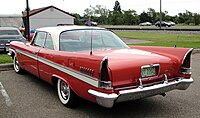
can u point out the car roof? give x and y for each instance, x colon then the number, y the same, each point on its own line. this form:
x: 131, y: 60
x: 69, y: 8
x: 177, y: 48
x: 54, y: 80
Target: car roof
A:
x: 59, y: 29
x: 11, y: 28
x: 55, y: 32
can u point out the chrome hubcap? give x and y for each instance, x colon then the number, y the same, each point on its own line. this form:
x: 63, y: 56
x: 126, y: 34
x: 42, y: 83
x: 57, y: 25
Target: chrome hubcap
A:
x: 16, y: 64
x: 64, y: 90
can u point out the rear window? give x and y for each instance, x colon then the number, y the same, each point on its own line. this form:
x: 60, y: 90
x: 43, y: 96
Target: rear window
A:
x: 9, y: 32
x: 81, y: 40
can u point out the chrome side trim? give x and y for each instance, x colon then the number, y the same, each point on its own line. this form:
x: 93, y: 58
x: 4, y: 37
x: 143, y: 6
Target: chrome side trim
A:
x: 108, y: 100
x: 150, y: 65
x: 27, y: 54
x: 83, y: 77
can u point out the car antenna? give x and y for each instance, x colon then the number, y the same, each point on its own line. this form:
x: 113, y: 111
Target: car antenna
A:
x: 91, y: 43
x: 176, y: 40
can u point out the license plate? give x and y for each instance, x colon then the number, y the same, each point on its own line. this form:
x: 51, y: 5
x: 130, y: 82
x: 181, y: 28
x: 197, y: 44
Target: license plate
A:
x: 7, y: 44
x: 148, y: 72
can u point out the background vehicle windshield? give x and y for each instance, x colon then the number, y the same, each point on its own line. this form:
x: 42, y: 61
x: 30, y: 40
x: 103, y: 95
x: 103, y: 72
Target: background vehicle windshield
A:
x: 9, y: 32
x: 80, y: 40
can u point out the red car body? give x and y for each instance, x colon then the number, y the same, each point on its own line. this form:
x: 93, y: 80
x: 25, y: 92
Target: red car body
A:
x: 101, y: 75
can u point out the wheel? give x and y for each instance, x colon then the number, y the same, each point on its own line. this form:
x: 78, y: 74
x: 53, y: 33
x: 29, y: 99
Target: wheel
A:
x: 17, y: 66
x: 65, y: 94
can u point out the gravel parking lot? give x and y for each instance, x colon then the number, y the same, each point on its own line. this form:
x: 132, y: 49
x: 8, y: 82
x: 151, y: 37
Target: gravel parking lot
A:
x: 31, y: 97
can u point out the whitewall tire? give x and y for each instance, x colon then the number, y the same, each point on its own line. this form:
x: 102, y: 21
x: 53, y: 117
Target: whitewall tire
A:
x: 66, y: 95
x: 16, y: 65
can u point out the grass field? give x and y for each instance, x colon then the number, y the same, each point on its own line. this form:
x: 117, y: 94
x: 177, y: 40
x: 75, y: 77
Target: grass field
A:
x: 169, y: 40
x: 177, y: 26
x: 4, y: 58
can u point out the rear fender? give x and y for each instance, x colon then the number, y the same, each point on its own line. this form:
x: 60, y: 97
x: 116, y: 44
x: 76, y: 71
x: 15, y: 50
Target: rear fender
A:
x: 54, y: 82
x: 55, y: 78
x: 178, y: 53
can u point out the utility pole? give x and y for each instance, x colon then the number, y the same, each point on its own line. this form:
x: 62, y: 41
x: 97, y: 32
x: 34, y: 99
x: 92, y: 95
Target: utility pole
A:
x: 160, y: 13
x: 27, y: 20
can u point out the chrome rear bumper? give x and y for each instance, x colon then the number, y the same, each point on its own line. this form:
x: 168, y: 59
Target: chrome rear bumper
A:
x: 108, y: 100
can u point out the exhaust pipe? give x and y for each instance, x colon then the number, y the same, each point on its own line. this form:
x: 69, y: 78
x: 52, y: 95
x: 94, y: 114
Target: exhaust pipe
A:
x: 163, y: 94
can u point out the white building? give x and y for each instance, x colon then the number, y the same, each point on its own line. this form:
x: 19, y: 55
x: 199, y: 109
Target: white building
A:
x: 48, y: 16
x: 11, y: 20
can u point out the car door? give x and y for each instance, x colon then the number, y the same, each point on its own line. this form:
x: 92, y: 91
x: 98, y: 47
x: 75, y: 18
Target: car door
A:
x: 46, y: 56
x: 32, y: 49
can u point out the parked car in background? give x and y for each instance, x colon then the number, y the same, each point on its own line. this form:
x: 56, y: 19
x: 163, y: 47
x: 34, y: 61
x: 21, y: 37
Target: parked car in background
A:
x: 95, y: 64
x: 145, y: 24
x: 162, y: 24
x: 9, y: 34
x: 172, y: 23
x: 91, y: 23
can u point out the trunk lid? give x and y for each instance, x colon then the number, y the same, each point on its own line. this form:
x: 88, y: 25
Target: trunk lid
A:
x: 125, y: 65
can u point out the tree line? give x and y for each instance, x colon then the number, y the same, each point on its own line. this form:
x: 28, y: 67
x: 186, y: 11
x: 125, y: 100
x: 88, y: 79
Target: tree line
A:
x: 104, y: 16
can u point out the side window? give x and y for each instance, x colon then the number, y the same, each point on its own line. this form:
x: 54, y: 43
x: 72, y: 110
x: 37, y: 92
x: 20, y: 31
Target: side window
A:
x: 49, y: 43
x: 39, y: 39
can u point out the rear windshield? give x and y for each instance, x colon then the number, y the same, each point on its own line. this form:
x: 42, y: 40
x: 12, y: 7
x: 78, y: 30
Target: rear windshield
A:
x: 9, y: 32
x: 80, y: 40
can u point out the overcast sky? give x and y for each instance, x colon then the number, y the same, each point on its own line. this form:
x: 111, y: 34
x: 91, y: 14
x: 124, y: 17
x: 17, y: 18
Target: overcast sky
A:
x: 78, y: 6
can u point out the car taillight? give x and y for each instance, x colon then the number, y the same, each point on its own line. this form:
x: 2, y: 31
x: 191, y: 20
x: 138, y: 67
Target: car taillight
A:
x: 185, y: 69
x: 104, y: 78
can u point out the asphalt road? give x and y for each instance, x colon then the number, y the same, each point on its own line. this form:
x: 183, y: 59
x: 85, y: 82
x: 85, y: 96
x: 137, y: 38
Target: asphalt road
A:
x: 25, y: 96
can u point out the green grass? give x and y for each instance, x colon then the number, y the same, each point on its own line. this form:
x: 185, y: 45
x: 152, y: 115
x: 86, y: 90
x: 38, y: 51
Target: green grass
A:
x: 168, y: 40
x: 4, y: 58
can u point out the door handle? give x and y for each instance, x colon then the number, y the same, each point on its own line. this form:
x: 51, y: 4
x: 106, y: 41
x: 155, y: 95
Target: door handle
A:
x: 71, y: 64
x: 36, y: 52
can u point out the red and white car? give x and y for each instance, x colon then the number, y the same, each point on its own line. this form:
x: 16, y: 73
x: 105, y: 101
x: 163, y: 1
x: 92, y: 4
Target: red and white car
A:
x: 94, y: 64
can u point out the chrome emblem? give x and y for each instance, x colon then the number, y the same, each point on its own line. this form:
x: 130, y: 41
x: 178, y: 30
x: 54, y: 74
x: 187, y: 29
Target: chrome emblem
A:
x: 87, y: 71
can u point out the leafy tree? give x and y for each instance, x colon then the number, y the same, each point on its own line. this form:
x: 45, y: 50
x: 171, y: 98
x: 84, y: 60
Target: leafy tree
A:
x: 130, y: 17
x: 152, y: 15
x: 88, y: 12
x: 101, y: 10
x: 77, y: 19
x: 102, y: 15
x: 117, y: 7
x: 166, y: 17
x: 144, y: 17
x: 188, y: 17
x: 180, y: 18
x: 97, y: 13
x: 115, y: 18
x: 196, y: 19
